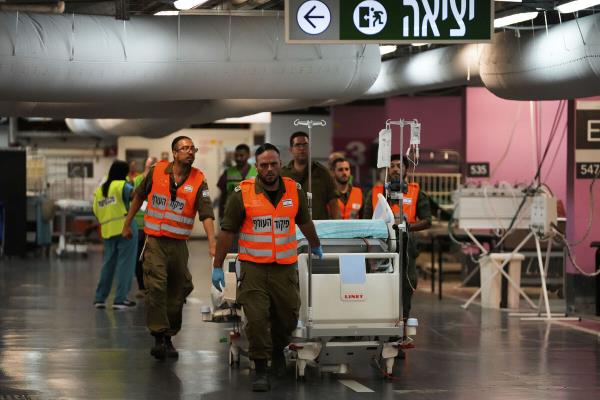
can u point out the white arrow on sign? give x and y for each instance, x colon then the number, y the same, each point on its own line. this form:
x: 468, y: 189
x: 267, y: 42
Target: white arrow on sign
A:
x: 313, y: 17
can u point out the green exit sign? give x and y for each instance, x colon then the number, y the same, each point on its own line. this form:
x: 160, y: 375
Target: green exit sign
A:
x: 389, y: 21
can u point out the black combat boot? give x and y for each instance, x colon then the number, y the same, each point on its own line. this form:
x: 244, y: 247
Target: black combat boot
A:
x: 278, y: 365
x: 260, y: 382
x: 170, y: 349
x: 159, y: 350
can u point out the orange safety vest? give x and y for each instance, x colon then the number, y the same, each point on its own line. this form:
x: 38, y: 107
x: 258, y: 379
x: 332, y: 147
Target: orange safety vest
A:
x: 268, y: 234
x: 167, y: 217
x: 410, y: 199
x: 353, y: 205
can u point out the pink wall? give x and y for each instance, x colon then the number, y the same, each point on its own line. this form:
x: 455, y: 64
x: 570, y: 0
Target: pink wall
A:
x: 490, y: 121
x: 441, y: 119
x: 355, y: 127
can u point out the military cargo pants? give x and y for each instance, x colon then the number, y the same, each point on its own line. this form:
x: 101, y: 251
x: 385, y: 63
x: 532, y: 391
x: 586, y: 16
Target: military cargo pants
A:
x: 270, y: 297
x: 168, y: 282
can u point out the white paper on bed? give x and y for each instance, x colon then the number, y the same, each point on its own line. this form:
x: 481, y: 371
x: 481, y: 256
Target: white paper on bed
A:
x: 353, y: 276
x: 383, y: 210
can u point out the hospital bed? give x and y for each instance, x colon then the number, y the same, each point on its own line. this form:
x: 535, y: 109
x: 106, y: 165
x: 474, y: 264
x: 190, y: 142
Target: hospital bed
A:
x: 351, y: 300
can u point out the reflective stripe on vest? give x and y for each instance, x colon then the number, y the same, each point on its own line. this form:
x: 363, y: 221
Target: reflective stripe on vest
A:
x: 255, y: 238
x: 285, y: 239
x: 110, y: 210
x: 409, y: 202
x: 168, y: 228
x: 268, y: 233
x: 179, y: 218
x: 352, y: 207
x: 255, y: 252
x: 169, y: 217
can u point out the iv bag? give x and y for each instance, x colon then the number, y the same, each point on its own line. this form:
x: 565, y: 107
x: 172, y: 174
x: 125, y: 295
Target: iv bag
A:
x: 384, y: 153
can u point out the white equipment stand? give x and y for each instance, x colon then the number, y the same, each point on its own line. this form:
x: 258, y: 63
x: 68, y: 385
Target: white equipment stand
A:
x: 535, y: 228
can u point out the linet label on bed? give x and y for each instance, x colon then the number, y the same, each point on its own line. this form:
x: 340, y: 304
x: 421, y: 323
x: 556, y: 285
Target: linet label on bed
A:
x: 353, y: 276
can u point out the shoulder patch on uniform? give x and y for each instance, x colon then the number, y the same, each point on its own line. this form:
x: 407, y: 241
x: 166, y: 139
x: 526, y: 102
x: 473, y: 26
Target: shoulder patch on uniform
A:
x: 237, y: 188
x: 299, y: 186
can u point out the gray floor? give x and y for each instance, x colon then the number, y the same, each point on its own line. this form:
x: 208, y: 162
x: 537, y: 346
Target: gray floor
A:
x: 54, y: 345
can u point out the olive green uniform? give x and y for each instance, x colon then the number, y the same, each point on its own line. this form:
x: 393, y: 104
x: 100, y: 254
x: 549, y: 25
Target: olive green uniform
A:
x: 167, y: 279
x: 323, y: 187
x: 409, y: 284
x: 269, y: 293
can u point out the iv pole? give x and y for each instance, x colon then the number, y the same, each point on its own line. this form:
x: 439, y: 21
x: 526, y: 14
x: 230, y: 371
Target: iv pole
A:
x: 309, y: 123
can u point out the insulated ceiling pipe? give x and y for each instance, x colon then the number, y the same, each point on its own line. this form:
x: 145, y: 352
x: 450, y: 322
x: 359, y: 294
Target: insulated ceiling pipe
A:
x: 33, y: 7
x: 79, y: 58
x: 433, y: 69
x: 210, y: 111
x: 561, y: 64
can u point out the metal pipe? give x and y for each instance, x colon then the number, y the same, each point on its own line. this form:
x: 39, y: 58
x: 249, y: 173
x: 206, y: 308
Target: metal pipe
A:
x: 12, y: 131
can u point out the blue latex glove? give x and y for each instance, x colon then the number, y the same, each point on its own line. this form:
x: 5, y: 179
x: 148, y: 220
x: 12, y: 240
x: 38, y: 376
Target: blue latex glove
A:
x: 317, y: 251
x: 218, y: 278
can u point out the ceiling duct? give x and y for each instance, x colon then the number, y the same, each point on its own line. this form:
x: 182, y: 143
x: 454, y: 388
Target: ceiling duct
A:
x: 80, y: 58
x: 562, y: 63
x: 57, y: 7
x: 520, y: 65
x: 439, y: 68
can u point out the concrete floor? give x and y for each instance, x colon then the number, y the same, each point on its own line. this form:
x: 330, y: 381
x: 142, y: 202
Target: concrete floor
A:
x: 55, y: 345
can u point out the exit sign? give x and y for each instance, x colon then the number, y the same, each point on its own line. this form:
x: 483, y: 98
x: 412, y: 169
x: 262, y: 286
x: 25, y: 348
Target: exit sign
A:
x: 389, y: 21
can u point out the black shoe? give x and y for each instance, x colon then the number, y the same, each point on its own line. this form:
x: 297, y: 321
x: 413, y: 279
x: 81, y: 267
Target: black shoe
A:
x: 159, y: 350
x: 170, y: 350
x: 124, y: 305
x: 278, y: 364
x: 260, y: 382
x: 99, y: 304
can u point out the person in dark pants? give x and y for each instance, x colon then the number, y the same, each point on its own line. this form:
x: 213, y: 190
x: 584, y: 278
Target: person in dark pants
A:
x: 416, y: 210
x: 111, y: 201
x: 324, y: 195
x: 175, y: 192
x: 265, y: 212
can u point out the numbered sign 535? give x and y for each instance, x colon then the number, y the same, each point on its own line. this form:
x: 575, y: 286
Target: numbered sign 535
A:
x: 478, y: 170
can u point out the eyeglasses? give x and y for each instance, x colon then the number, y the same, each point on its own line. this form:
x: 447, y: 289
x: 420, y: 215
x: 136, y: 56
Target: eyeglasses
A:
x: 188, y: 149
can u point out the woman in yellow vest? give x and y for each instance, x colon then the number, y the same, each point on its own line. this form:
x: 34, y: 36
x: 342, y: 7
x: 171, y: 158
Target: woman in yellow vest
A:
x: 111, y: 202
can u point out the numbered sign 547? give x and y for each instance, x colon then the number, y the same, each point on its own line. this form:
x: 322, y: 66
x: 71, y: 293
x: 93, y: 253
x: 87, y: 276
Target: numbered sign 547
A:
x: 478, y: 170
x: 588, y: 170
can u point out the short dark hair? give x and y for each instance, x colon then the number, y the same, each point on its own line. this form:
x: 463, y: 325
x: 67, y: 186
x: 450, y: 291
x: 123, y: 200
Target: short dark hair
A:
x: 242, y: 147
x: 338, y: 160
x: 176, y: 140
x: 265, y: 147
x: 297, y: 134
x: 396, y: 157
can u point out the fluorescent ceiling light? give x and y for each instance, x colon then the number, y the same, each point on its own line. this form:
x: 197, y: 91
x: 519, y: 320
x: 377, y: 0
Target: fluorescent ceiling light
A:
x: 419, y: 44
x: 383, y: 50
x: 172, y: 12
x: 260, y: 118
x: 514, y: 19
x: 576, y: 5
x: 510, y: 1
x: 188, y: 4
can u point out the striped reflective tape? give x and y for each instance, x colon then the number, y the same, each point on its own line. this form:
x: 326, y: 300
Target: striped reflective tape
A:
x: 152, y: 225
x: 179, y: 218
x: 285, y: 239
x: 154, y: 214
x: 176, y: 230
x: 255, y: 238
x: 256, y: 252
x: 285, y: 254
